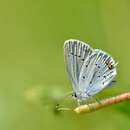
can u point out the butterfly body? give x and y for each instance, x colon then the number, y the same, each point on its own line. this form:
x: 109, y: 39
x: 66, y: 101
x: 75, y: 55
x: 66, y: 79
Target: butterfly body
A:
x: 90, y: 70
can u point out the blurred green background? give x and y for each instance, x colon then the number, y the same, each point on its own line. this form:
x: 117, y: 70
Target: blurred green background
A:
x: 32, y: 70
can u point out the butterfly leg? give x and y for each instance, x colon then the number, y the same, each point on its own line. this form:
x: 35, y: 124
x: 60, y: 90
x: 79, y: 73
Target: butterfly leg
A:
x: 93, y: 99
x: 96, y: 99
x: 78, y: 102
x: 89, y: 100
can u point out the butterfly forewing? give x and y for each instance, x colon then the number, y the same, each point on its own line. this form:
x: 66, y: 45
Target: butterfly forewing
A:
x: 76, y: 53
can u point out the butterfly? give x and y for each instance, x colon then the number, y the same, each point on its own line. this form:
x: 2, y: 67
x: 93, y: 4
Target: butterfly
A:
x: 90, y: 70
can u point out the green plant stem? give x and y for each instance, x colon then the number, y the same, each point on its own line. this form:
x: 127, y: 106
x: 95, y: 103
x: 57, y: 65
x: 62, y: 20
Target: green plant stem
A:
x: 98, y: 105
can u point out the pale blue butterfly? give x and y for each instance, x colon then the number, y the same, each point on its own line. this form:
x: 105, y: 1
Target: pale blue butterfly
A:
x: 90, y: 70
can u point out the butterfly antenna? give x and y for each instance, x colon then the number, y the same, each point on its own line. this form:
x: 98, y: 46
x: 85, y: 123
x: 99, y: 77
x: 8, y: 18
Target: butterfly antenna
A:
x: 64, y: 97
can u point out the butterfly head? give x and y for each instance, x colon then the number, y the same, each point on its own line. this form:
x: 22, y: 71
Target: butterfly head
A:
x: 80, y: 95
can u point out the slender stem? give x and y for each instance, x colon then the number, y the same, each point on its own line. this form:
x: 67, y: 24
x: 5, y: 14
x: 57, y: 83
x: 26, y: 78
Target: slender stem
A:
x: 102, y: 103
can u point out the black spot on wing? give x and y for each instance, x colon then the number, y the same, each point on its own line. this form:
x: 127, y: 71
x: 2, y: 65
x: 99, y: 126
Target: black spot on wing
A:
x: 83, y: 77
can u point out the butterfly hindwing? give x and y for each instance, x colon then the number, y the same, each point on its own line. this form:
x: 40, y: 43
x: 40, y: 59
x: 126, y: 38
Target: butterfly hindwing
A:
x: 97, y: 72
x: 87, y: 71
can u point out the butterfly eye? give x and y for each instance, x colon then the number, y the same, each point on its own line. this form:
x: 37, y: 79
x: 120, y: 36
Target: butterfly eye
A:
x: 74, y: 95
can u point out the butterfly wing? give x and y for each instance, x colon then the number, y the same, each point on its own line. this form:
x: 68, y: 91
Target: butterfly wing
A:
x: 75, y: 52
x: 97, y: 72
